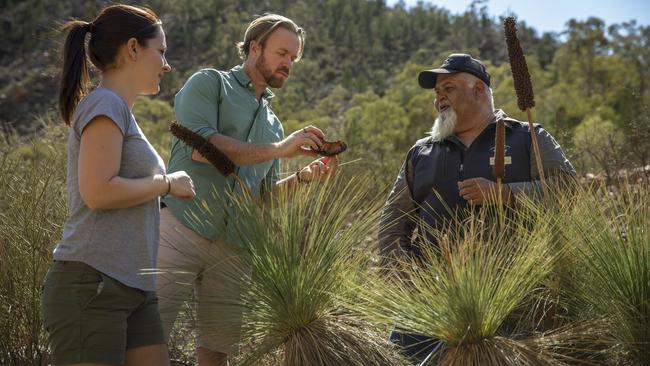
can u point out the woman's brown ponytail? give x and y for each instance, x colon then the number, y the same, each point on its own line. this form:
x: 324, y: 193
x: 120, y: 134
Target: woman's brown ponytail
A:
x: 74, y: 76
x: 112, y: 28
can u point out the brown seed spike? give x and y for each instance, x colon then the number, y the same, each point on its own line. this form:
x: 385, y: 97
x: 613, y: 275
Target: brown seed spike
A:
x: 499, y: 150
x: 210, y: 152
x: 520, y: 74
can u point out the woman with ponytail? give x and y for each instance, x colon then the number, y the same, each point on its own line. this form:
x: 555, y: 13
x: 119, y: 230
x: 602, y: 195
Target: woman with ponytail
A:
x: 98, y: 303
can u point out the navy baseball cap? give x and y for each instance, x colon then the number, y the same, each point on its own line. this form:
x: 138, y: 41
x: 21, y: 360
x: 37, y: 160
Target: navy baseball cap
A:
x: 456, y: 62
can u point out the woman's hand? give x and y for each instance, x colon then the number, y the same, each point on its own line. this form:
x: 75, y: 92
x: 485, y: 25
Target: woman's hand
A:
x: 181, y: 185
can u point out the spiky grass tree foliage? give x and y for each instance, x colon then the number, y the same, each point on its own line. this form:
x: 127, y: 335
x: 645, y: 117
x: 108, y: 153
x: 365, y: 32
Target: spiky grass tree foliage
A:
x: 581, y: 336
x: 306, y: 250
x: 610, y: 237
x: 469, y: 289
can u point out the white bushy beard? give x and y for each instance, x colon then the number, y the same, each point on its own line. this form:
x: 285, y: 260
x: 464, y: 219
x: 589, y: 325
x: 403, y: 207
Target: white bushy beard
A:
x: 444, y: 125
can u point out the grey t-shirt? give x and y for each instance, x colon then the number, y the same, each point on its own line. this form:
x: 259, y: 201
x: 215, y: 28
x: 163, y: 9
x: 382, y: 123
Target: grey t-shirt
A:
x: 121, y: 243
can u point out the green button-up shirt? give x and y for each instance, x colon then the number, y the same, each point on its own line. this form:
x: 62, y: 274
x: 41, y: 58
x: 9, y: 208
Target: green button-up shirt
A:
x: 224, y: 102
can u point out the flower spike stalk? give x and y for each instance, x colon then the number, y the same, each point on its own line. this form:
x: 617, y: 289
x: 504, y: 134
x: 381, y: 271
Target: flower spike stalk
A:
x: 523, y: 86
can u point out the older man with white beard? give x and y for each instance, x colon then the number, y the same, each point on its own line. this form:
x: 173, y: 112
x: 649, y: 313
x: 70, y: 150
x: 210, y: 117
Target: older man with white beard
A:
x: 451, y: 169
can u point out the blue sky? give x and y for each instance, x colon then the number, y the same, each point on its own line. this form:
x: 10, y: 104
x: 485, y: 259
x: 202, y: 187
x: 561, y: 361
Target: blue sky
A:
x: 551, y: 15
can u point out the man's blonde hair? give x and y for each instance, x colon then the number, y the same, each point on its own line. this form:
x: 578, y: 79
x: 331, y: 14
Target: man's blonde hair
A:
x: 260, y: 29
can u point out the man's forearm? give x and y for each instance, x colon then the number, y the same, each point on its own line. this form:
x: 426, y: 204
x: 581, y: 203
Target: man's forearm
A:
x: 395, y: 225
x: 240, y: 152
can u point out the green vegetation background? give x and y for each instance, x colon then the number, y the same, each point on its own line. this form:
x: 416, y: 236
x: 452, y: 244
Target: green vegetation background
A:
x: 358, y: 78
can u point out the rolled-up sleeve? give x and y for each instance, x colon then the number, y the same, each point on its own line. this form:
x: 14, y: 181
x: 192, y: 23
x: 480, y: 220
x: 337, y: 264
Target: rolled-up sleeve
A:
x: 197, y: 104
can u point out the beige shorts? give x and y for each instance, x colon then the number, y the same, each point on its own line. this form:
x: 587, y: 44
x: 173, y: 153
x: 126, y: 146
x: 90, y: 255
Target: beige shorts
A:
x: 213, y: 271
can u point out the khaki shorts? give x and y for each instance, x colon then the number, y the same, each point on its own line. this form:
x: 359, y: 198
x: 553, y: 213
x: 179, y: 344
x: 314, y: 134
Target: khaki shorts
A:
x: 91, y: 317
x: 212, y: 271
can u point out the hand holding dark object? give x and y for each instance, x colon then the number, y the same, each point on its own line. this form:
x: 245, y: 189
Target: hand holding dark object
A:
x: 332, y: 148
x: 310, y: 141
x: 305, y: 141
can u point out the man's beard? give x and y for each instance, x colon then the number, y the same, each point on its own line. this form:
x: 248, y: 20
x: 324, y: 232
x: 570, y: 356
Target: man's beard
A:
x: 444, y: 125
x: 269, y: 75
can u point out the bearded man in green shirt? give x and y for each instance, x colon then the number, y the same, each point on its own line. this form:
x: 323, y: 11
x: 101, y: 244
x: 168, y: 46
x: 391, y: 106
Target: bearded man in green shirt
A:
x: 231, y: 109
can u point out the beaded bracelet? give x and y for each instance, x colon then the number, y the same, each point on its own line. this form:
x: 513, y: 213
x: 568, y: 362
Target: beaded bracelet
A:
x: 169, y: 185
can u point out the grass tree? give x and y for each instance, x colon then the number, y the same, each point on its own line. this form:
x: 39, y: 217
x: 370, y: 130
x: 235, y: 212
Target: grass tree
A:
x: 609, y: 234
x: 305, y: 251
x: 478, y: 290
